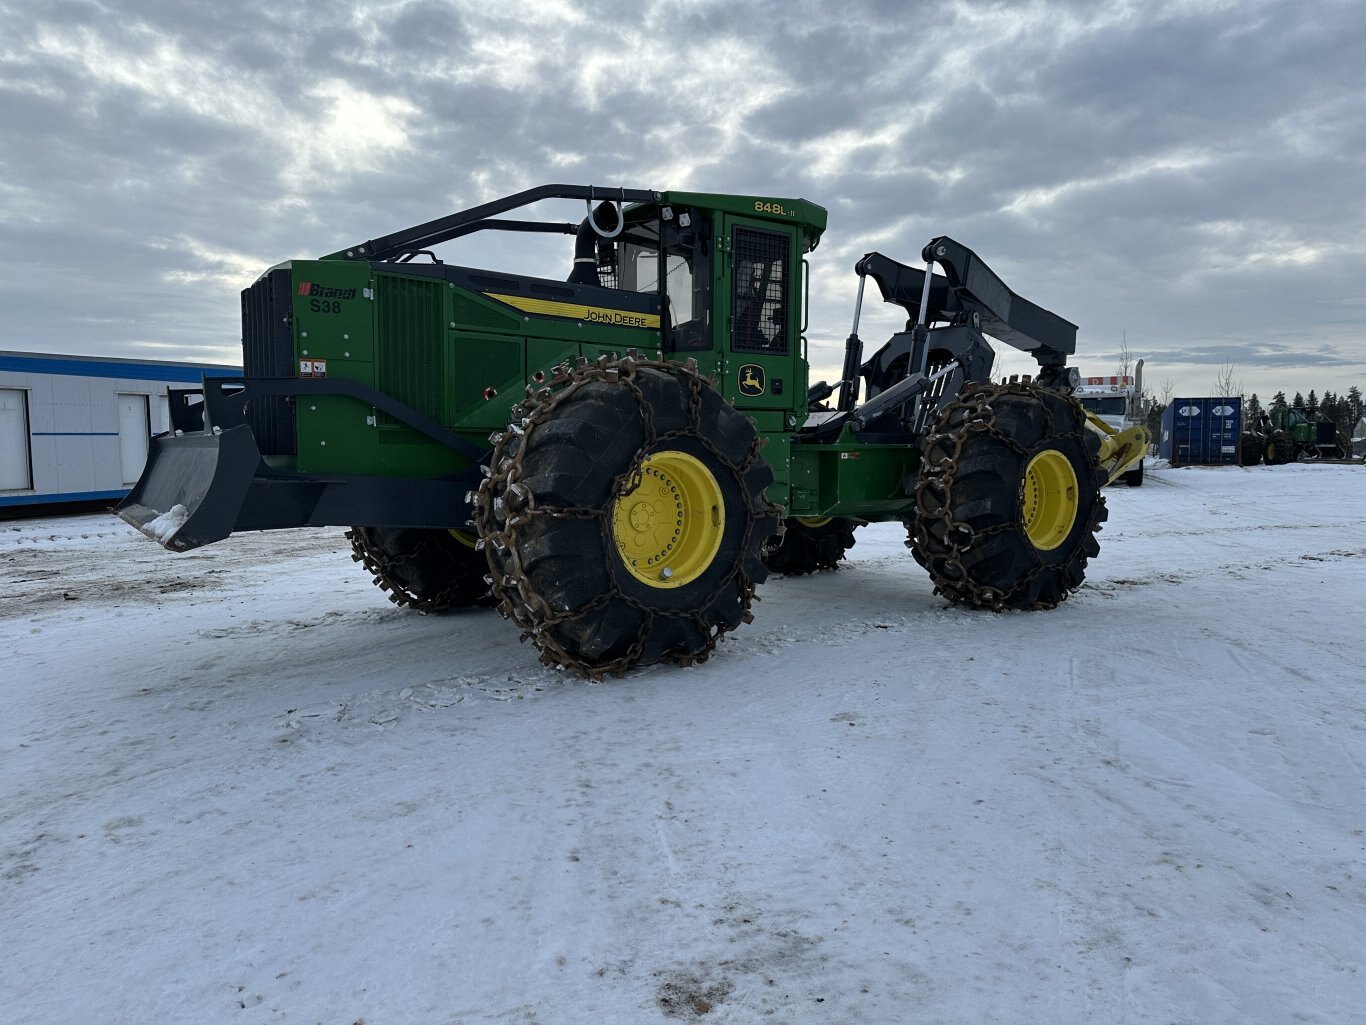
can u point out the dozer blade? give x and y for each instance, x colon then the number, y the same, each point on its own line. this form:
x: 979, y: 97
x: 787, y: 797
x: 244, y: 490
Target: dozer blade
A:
x: 192, y: 487
x: 1119, y: 450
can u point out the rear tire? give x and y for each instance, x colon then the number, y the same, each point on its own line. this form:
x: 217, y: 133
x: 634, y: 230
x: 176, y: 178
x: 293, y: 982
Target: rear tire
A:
x: 428, y: 570
x: 624, y: 517
x: 811, y: 545
x: 1008, y: 498
x: 1250, y: 450
x: 1134, y: 477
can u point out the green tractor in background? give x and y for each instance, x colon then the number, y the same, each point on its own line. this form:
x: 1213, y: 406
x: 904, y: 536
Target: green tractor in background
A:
x: 617, y: 459
x: 1286, y: 434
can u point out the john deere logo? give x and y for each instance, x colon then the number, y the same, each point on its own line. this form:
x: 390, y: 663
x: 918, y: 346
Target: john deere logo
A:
x: 751, y: 380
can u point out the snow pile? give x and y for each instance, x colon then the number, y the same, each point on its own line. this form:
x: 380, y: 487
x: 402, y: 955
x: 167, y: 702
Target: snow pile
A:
x: 164, y: 527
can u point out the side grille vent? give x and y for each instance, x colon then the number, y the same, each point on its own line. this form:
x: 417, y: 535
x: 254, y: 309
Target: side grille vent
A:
x: 410, y: 343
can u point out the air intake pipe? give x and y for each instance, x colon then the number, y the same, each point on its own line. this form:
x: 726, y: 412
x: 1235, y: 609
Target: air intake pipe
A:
x: 591, y: 229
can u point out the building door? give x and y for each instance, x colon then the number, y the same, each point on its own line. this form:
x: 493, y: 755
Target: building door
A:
x: 134, y: 430
x: 15, y: 466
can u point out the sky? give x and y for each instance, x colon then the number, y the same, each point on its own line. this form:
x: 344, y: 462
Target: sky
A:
x: 1185, y: 180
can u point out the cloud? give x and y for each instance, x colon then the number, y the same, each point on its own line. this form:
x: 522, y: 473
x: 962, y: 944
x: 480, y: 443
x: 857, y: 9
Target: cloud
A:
x: 1184, y: 174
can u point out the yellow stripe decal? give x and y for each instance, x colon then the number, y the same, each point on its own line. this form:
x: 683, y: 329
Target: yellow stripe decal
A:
x: 592, y: 314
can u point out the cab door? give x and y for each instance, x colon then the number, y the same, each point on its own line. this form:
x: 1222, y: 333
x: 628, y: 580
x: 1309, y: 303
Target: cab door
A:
x: 762, y: 365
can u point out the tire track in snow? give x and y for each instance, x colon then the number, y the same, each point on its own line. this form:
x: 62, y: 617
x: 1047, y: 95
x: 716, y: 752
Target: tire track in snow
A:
x: 905, y: 772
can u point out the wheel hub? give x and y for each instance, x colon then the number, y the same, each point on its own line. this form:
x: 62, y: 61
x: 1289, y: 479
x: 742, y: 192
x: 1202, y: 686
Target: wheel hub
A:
x: 642, y: 517
x: 1048, y: 499
x: 668, y: 528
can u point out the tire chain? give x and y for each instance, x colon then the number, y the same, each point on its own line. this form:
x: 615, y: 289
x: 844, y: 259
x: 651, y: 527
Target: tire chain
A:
x: 942, y: 451
x: 497, y: 521
x: 380, y: 563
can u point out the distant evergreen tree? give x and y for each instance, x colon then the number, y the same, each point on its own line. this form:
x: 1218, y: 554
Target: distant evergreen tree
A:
x: 1354, y: 404
x: 1311, y: 403
x: 1154, y: 419
x: 1339, y: 410
x: 1328, y: 405
x: 1298, y: 402
x: 1254, y: 407
x: 1278, y: 402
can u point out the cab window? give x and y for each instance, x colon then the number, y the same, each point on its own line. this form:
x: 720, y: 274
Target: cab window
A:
x: 761, y: 290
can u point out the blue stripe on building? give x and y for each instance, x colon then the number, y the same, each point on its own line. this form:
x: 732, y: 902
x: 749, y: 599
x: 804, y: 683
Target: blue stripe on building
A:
x: 188, y: 373
x: 69, y: 496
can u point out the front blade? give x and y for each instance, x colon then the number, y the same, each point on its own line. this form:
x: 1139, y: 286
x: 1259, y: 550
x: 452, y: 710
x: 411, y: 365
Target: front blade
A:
x: 192, y: 487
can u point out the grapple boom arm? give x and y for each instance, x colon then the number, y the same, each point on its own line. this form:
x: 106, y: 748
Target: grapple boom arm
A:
x: 968, y: 286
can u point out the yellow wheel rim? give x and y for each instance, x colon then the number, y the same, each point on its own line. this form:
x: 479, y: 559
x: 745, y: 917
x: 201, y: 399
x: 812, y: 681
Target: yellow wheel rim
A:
x: 668, y: 528
x: 466, y: 539
x: 814, y: 521
x: 1048, y: 499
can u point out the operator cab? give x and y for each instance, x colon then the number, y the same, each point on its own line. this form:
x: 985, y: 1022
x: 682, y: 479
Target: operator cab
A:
x: 727, y: 274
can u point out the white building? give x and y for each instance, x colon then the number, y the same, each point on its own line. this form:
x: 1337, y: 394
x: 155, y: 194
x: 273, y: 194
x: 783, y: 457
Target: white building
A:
x: 75, y: 428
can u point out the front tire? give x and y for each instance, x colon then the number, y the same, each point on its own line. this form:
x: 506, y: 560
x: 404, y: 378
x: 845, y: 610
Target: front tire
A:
x: 1134, y: 477
x: 624, y: 517
x: 1008, y: 498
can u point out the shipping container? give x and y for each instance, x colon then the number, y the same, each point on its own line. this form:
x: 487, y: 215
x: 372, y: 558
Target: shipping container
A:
x: 1201, y: 432
x: 75, y: 429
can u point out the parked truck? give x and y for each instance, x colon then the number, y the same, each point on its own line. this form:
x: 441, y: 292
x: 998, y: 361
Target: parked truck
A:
x: 615, y: 461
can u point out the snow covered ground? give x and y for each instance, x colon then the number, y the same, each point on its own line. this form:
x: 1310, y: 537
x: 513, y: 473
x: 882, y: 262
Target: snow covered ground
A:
x: 238, y: 786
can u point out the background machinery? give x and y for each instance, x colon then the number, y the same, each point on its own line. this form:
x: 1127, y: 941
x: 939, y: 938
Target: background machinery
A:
x: 1286, y: 434
x: 616, y: 460
x: 1116, y: 404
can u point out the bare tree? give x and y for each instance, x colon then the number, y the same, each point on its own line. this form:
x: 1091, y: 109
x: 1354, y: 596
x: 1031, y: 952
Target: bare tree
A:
x: 1224, y: 385
x: 1126, y: 361
x: 1165, y: 389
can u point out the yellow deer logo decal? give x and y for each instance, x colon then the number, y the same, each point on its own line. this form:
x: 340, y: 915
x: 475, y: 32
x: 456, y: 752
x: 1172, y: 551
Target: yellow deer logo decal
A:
x: 751, y: 380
